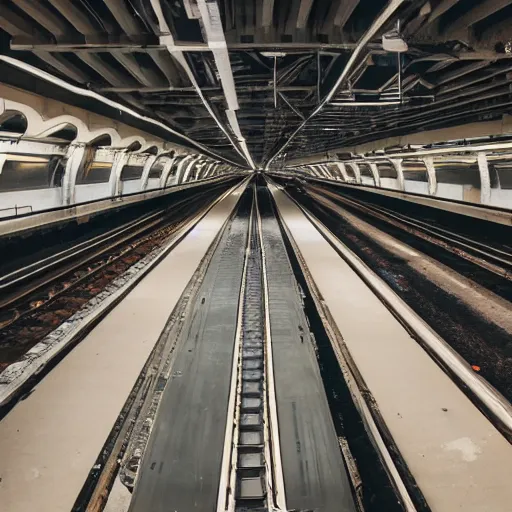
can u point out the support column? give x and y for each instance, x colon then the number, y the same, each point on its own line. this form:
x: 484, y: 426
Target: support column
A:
x: 146, y: 170
x: 75, y: 156
x: 357, y: 172
x: 397, y: 164
x: 327, y: 172
x: 485, y: 178
x: 180, y: 167
x: 120, y: 160
x: 431, y: 172
x: 192, y: 163
x: 166, y: 171
x: 343, y: 171
x: 210, y: 170
x: 207, y: 171
x: 375, y: 173
x: 313, y: 170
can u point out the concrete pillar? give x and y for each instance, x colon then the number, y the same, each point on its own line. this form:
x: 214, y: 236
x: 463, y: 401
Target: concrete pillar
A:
x: 75, y: 156
x: 397, y: 164
x: 179, y: 168
x: 485, y: 178
x: 120, y: 160
x: 327, y: 172
x: 357, y: 171
x: 208, y: 170
x: 315, y: 171
x: 146, y: 170
x: 189, y: 167
x: 343, y: 171
x: 431, y: 172
x: 166, y: 171
x: 375, y: 173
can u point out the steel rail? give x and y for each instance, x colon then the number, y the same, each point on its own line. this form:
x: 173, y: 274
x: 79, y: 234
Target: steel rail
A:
x: 32, y: 369
x: 251, y: 470
x: 33, y: 269
x: 130, y: 240
x: 358, y: 390
x: 487, y: 398
x: 490, y: 258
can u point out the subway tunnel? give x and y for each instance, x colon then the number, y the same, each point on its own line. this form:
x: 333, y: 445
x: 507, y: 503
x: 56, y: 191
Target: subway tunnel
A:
x: 255, y: 255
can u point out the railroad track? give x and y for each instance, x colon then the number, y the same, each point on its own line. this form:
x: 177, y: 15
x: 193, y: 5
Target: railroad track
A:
x: 487, y: 398
x: 41, y: 296
x: 251, y: 477
x: 494, y: 259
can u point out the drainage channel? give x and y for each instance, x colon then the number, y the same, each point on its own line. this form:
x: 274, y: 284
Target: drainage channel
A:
x: 250, y: 470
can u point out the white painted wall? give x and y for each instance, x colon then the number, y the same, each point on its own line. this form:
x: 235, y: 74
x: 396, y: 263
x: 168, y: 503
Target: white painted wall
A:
x: 501, y: 198
x: 128, y: 187
x: 417, y: 187
x: 389, y: 183
x: 91, y: 191
x: 450, y: 191
x: 153, y: 183
x: 38, y: 199
x: 366, y: 180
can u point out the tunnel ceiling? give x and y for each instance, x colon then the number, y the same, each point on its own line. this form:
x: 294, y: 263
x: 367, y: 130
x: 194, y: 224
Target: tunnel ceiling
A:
x: 260, y: 82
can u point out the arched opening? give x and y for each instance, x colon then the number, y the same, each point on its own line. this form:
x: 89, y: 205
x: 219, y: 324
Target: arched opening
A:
x: 415, y: 176
x: 27, y: 172
x: 131, y: 172
x: 103, y: 140
x: 366, y: 174
x: 350, y: 172
x: 153, y: 150
x: 134, y: 146
x: 13, y: 123
x: 458, y: 177
x: 67, y: 133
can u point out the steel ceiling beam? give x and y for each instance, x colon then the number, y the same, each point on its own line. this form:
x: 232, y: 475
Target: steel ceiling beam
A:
x: 370, y: 33
x: 119, y: 43
x: 481, y: 11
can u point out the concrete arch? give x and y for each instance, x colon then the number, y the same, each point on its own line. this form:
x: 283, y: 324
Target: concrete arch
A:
x: 356, y: 171
x: 40, y: 128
